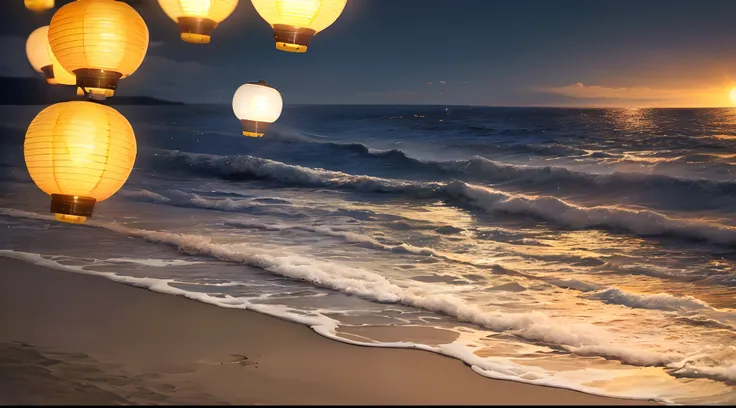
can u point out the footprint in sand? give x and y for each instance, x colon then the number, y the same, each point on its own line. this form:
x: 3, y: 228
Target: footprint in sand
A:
x: 234, y: 359
x: 242, y: 360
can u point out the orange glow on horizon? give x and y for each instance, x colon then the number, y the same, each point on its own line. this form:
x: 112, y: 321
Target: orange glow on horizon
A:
x: 732, y: 94
x: 603, y: 96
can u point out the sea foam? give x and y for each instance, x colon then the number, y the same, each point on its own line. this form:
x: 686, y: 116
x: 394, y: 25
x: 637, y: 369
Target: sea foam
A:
x: 535, y: 326
x: 493, y: 367
x: 661, y: 301
x: 501, y: 368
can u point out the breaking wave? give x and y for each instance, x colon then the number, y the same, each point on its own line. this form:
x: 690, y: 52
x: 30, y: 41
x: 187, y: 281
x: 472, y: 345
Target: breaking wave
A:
x: 560, y: 212
x: 657, y: 189
x: 582, y: 338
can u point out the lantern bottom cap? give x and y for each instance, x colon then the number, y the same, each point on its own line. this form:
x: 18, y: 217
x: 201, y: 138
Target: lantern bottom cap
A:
x: 252, y: 134
x: 288, y: 47
x: 292, y: 38
x: 48, y: 73
x: 71, y: 205
x: 71, y: 219
x: 97, y: 81
x: 194, y: 38
x: 196, y: 30
x: 254, y: 128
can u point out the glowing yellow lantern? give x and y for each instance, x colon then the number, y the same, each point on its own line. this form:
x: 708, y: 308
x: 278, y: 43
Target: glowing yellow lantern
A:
x: 197, y: 19
x: 39, y: 5
x: 295, y: 22
x: 99, y: 41
x: 37, y: 50
x: 43, y: 60
x: 61, y: 76
x: 80, y: 153
x: 257, y: 105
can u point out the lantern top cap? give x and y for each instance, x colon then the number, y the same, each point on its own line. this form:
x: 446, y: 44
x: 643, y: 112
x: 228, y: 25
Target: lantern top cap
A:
x: 261, y: 82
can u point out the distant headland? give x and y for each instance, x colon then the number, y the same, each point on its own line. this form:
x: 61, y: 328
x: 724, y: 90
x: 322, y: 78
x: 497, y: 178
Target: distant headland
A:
x: 35, y: 91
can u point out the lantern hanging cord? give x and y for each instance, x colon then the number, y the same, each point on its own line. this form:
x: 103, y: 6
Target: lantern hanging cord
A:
x: 86, y: 93
x: 92, y: 97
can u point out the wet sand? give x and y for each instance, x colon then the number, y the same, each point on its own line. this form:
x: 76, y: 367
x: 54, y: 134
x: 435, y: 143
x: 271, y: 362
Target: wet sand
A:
x: 70, y: 338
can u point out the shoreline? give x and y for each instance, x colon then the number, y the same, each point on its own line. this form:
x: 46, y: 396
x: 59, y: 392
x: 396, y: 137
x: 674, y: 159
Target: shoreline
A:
x: 76, y: 338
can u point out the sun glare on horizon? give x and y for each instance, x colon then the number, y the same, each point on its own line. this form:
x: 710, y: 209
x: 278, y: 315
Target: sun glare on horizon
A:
x: 732, y: 94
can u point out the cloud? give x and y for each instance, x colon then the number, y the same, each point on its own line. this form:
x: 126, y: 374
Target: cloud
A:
x: 579, y: 90
x: 641, y: 96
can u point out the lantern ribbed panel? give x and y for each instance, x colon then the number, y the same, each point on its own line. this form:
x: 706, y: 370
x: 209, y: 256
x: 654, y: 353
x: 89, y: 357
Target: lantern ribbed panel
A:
x: 257, y: 103
x: 215, y: 10
x: 99, y: 34
x: 80, y: 149
x: 37, y: 48
x: 314, y: 14
x: 62, y: 76
x: 39, y: 5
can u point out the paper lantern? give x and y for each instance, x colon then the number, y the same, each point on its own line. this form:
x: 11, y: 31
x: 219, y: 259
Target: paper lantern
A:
x: 295, y: 22
x: 257, y: 105
x: 80, y: 153
x: 37, y: 50
x: 99, y: 41
x: 39, y: 5
x: 197, y: 19
x: 42, y: 59
x: 61, y: 76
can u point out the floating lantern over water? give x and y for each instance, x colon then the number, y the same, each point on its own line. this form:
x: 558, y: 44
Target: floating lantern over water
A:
x: 257, y: 105
x: 295, y: 22
x: 100, y: 42
x: 37, y: 50
x: 39, y: 5
x: 80, y: 153
x: 197, y: 19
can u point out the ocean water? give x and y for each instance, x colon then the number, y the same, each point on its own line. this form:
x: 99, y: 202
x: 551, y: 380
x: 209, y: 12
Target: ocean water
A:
x: 590, y: 249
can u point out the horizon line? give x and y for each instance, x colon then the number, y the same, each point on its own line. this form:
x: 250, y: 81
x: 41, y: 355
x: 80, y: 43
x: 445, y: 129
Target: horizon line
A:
x: 528, y: 106
x: 477, y: 106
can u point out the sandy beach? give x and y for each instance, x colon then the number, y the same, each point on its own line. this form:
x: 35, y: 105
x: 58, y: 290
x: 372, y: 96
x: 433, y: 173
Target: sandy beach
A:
x: 76, y: 339
x: 349, y: 202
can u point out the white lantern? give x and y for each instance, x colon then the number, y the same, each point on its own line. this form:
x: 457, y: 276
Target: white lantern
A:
x: 37, y: 50
x: 257, y: 105
x: 42, y: 59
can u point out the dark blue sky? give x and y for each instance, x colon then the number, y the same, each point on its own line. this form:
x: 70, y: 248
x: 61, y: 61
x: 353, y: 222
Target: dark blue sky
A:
x: 487, y: 52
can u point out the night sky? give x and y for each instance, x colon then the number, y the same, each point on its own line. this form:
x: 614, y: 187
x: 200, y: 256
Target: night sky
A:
x: 461, y: 52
